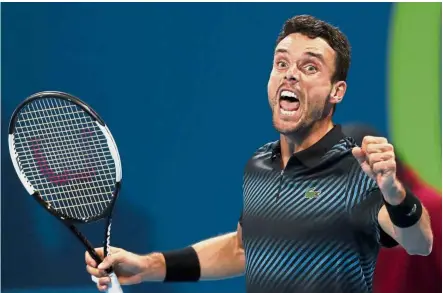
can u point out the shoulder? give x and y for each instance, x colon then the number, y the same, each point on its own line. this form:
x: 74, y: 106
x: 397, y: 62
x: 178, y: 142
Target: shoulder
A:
x: 266, y: 148
x: 261, y: 158
x: 359, y: 183
x: 264, y: 151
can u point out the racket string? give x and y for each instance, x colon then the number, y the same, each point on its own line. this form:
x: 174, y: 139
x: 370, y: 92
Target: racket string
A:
x: 50, y: 123
x: 58, y: 163
x: 107, y: 165
x: 65, y: 147
x: 30, y: 170
x: 63, y: 133
x: 46, y: 109
x: 61, y: 180
x: 103, y: 189
x: 90, y: 209
x: 34, y: 132
x: 56, y: 159
x: 68, y: 140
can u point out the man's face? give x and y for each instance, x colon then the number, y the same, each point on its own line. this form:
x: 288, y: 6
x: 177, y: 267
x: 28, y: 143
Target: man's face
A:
x: 300, y: 87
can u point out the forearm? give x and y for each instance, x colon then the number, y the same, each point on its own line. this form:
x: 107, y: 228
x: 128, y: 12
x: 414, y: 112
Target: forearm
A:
x: 414, y: 237
x: 219, y: 257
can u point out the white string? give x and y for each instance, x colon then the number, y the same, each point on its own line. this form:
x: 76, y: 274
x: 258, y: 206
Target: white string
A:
x: 102, y: 199
x: 63, y: 135
x: 55, y: 161
x: 61, y: 147
x: 85, y: 212
x: 38, y: 119
x: 32, y: 133
x: 85, y: 205
x: 72, y: 213
x: 81, y: 184
x: 49, y: 109
x: 56, y: 195
x: 67, y: 139
x: 98, y: 151
x: 49, y: 116
x: 31, y: 170
x: 80, y: 196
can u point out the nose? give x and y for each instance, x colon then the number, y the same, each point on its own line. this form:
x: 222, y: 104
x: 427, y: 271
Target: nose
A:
x: 291, y: 74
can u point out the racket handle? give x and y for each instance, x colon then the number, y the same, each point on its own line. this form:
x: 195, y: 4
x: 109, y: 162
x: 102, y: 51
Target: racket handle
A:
x: 114, y: 287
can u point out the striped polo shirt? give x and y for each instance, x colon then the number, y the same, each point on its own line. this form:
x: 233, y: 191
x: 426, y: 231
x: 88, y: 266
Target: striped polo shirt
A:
x: 311, y: 227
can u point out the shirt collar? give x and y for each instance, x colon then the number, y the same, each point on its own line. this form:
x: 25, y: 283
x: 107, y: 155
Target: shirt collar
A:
x: 312, y: 156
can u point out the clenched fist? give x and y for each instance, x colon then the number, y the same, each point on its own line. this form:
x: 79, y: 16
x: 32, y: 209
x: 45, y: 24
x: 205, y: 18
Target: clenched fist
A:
x: 377, y: 159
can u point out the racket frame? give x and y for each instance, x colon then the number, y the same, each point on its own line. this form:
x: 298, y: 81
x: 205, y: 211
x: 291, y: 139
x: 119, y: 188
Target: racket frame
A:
x: 70, y: 221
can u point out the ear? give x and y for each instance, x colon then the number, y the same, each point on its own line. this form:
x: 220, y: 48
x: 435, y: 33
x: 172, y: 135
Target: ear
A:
x: 337, y: 92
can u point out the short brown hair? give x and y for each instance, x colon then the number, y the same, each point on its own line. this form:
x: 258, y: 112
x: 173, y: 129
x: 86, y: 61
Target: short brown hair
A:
x: 315, y: 28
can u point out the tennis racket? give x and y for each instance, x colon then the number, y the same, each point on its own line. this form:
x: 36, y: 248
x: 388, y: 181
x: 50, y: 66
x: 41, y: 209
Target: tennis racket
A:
x: 67, y: 159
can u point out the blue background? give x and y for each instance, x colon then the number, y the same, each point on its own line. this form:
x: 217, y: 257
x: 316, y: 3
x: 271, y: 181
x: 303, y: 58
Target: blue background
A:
x: 183, y: 90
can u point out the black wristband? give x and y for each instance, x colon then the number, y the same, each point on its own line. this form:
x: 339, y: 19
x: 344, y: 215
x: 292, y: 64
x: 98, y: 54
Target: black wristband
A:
x: 407, y: 213
x: 182, y: 265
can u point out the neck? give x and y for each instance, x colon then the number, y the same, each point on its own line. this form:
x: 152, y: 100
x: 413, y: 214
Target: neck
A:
x: 303, y: 139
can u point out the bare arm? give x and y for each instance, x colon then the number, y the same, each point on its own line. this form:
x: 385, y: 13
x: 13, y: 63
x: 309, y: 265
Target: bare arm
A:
x: 220, y: 257
x: 377, y: 159
x: 416, y: 239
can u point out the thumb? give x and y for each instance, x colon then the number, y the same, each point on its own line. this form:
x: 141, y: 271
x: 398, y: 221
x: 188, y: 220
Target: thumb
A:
x: 359, y: 155
x: 110, y: 260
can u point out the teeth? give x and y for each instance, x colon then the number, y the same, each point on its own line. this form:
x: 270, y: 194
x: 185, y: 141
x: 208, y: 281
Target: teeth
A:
x: 288, y: 94
x: 287, y: 113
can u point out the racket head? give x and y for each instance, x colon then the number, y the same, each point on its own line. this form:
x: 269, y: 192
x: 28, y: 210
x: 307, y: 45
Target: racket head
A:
x: 65, y: 156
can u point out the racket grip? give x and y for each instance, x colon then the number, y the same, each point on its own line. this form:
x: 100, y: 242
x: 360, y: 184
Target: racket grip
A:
x: 114, y: 286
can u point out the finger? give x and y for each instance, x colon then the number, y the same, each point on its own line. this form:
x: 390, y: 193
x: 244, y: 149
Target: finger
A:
x: 110, y: 260
x: 113, y: 250
x: 359, y: 154
x: 95, y: 272
x: 380, y: 157
x: 373, y: 139
x: 384, y: 167
x: 379, y: 148
x: 104, y: 281
x: 102, y: 288
x: 88, y: 258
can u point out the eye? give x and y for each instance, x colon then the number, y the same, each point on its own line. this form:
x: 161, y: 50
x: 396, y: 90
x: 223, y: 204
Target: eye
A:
x: 310, y: 68
x: 281, y: 64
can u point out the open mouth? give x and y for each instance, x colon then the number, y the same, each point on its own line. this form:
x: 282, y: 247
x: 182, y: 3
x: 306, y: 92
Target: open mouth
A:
x: 289, y: 103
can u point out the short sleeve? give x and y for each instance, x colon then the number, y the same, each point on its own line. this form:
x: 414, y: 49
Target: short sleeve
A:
x: 385, y: 239
x: 364, y: 217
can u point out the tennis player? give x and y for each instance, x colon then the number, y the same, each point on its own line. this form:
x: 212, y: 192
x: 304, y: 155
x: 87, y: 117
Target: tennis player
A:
x: 317, y: 207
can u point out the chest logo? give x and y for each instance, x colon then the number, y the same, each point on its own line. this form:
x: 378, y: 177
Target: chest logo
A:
x: 312, y: 193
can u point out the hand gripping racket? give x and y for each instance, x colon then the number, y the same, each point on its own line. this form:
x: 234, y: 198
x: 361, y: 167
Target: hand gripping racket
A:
x: 66, y: 158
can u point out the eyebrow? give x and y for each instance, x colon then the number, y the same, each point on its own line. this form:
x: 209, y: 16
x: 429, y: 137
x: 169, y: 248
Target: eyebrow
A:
x: 309, y: 53
x: 316, y: 55
x: 281, y: 51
